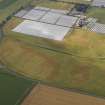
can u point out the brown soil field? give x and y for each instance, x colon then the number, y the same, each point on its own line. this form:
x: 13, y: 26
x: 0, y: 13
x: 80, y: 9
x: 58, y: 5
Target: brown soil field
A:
x: 45, y: 95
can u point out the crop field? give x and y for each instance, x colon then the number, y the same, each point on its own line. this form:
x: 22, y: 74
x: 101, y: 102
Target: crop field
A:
x: 61, y: 69
x: 71, y: 43
x: 12, y: 88
x: 54, y: 96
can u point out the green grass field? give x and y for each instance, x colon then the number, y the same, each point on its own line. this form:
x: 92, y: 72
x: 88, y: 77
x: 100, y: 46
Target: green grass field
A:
x: 55, y: 5
x: 6, y: 3
x: 77, y: 1
x: 98, y: 13
x: 12, y: 88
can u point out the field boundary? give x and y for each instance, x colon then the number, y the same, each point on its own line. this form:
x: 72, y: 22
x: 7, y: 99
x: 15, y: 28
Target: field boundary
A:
x: 59, y: 51
x: 12, y: 73
x: 25, y: 94
x: 55, y: 85
x: 26, y: 91
x: 71, y: 2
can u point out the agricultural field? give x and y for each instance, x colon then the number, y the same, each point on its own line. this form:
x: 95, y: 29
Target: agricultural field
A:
x: 55, y: 5
x: 77, y: 62
x: 12, y: 88
x: 71, y: 44
x: 98, y: 13
x: 82, y: 68
x: 54, y: 96
x: 6, y: 3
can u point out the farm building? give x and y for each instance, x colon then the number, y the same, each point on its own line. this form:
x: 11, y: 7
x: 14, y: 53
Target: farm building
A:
x: 45, y: 22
